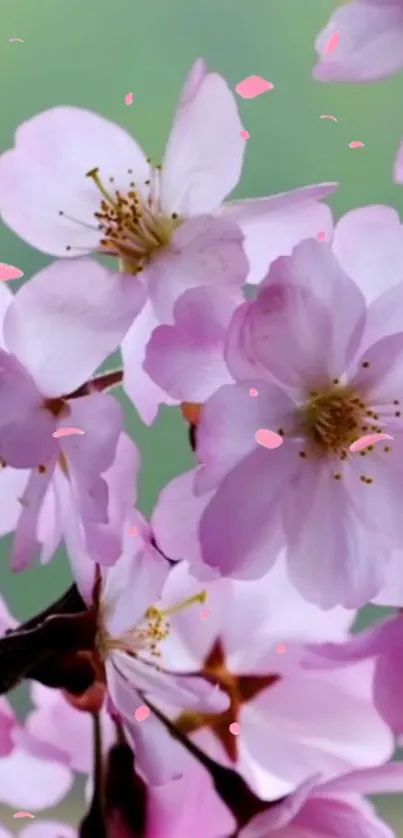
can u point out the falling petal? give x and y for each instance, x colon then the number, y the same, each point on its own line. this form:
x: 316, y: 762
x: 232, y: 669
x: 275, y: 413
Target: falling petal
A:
x: 328, y: 116
x: 331, y: 43
x: 129, y: 98
x: 8, y: 272
x: 366, y: 440
x: 205, y: 613
x: 268, y: 439
x: 253, y: 86
x: 321, y: 236
x: 280, y: 648
x: 23, y: 815
x: 16, y: 41
x: 253, y: 392
x: 235, y: 728
x: 356, y: 144
x: 141, y: 713
x: 245, y: 135
x: 67, y: 432
x: 133, y: 531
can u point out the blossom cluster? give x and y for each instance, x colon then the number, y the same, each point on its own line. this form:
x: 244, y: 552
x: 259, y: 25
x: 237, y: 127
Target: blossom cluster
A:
x: 202, y: 673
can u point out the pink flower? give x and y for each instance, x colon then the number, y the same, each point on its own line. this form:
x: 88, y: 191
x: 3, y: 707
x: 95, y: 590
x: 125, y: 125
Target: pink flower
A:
x: 131, y: 625
x: 293, y: 721
x: 99, y: 192
x: 370, y: 43
x: 36, y: 377
x: 331, y: 809
x: 325, y: 375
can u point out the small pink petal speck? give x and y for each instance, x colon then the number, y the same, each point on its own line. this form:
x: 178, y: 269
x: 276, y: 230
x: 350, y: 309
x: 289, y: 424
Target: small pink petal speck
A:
x: 268, y: 439
x: 129, y: 98
x: 245, y: 134
x: 23, y: 815
x: 331, y: 43
x: 8, y: 272
x: 280, y: 648
x: 328, y: 116
x: 253, y: 392
x: 16, y: 41
x: 67, y: 432
x: 321, y: 235
x: 235, y: 728
x: 368, y: 439
x: 253, y: 86
x: 356, y: 144
x: 142, y: 713
x: 133, y: 531
x: 205, y: 613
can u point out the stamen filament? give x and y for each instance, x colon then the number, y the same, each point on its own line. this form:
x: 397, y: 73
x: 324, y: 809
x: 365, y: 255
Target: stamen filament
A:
x: 166, y: 612
x: 94, y: 175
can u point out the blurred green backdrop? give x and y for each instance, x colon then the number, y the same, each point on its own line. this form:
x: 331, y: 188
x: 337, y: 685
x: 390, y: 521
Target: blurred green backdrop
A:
x: 90, y: 53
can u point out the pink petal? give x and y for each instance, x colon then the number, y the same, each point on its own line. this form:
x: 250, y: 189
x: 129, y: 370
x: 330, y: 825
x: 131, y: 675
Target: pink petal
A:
x: 26, y: 545
x: 370, y: 45
x: 12, y: 485
x: 141, y: 389
x: 81, y: 310
x: 369, y: 439
x: 273, y: 226
x: 65, y: 431
x: 8, y: 272
x: 356, y: 144
x: 129, y: 99
x: 187, y: 359
x: 245, y: 135
x: 328, y: 116
x: 332, y: 43
x: 253, y: 86
x: 32, y: 783
x: 48, y: 829
x: 243, y: 542
x: 25, y: 426
x: 176, y: 517
x: 133, y: 585
x: 204, y: 154
x: 382, y: 779
x: 368, y: 244
x: 350, y: 571
x: 53, y: 152
x: 268, y: 439
x: 228, y: 423
x: 204, y: 251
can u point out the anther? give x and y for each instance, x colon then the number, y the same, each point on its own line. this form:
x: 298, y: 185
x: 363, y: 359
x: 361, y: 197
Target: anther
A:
x: 365, y: 365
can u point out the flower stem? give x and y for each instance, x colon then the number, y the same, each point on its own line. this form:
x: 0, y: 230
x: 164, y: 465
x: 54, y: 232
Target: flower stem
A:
x: 98, y: 384
x: 94, y: 823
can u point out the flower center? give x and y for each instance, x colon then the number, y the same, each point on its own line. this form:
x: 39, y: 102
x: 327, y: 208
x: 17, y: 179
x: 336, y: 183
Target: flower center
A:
x: 146, y: 635
x: 332, y: 419
x: 132, y: 226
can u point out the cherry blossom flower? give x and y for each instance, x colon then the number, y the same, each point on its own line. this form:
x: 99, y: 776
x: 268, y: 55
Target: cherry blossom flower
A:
x: 324, y: 380
x: 369, y: 44
x: 100, y: 193
x: 35, y: 380
x: 292, y: 721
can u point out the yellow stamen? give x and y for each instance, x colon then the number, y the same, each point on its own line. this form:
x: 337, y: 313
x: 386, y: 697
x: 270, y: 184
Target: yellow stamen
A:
x: 166, y: 612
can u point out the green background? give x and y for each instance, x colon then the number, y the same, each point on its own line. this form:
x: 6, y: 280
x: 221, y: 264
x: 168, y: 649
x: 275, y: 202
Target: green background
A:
x: 90, y: 53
